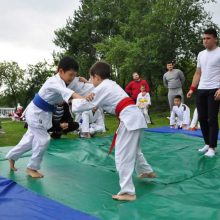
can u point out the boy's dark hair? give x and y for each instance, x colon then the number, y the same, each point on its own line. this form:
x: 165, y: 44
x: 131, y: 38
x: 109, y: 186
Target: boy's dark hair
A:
x: 68, y: 63
x: 178, y: 97
x: 170, y: 62
x: 101, y: 69
x: 211, y: 31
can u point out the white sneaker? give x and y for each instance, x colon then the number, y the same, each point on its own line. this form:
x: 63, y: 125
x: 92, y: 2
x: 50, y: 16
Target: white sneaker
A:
x: 204, y: 149
x: 210, y: 152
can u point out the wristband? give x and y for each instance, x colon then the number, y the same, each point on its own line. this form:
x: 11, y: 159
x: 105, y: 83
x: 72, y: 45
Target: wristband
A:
x: 192, y: 88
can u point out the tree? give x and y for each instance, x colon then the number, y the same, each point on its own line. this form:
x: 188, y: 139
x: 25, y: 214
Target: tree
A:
x: 20, y: 86
x: 94, y: 21
x: 36, y: 75
x: 135, y: 35
x: 156, y: 31
x: 11, y: 77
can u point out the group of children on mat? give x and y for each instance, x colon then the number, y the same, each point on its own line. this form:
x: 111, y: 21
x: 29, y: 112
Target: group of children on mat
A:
x: 107, y: 95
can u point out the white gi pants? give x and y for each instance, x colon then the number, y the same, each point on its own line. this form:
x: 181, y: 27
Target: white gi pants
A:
x: 94, y: 128
x: 36, y: 139
x: 91, y: 128
x: 128, y: 156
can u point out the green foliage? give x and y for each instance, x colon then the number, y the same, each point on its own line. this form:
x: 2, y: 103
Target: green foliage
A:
x: 18, y: 85
x: 135, y: 35
x: 11, y: 77
x: 36, y: 75
x: 156, y: 31
x: 94, y: 21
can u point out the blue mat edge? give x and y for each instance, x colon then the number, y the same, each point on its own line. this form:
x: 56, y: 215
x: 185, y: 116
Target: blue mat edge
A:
x: 29, y: 205
x: 167, y: 129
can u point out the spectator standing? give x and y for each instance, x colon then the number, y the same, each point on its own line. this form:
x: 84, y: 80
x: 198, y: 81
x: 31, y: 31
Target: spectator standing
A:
x: 133, y: 87
x: 207, y: 78
x: 173, y: 79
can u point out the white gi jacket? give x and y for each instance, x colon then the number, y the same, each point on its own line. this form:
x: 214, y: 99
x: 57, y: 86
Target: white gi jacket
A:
x: 183, y: 115
x: 53, y: 91
x: 143, y: 100
x: 107, y: 95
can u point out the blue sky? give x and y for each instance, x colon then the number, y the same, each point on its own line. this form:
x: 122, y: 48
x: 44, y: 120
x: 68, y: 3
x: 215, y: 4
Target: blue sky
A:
x: 27, y: 27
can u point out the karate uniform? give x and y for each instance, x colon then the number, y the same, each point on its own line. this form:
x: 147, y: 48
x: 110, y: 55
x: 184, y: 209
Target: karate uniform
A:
x: 53, y: 91
x: 92, y: 122
x: 128, y: 154
x: 183, y: 116
x: 143, y: 101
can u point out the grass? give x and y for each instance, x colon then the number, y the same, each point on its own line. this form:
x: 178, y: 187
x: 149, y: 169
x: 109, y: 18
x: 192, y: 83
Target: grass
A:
x: 15, y: 130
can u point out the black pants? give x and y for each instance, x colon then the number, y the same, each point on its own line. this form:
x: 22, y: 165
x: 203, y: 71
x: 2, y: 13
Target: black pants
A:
x: 208, y: 110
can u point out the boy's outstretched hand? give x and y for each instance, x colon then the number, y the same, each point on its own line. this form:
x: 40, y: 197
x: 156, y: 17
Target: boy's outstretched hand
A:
x: 90, y: 97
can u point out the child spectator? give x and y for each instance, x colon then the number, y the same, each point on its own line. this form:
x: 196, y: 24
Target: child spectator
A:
x: 91, y: 122
x: 143, y: 103
x: 180, y: 115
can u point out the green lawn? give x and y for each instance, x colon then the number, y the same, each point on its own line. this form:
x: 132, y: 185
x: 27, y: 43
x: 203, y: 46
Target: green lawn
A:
x: 15, y: 130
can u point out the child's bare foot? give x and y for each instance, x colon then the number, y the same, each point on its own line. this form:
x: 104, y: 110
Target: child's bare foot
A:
x: 147, y: 175
x: 34, y: 173
x: 124, y: 197
x: 12, y: 165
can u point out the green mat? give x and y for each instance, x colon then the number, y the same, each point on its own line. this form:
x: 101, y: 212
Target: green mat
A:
x: 79, y: 174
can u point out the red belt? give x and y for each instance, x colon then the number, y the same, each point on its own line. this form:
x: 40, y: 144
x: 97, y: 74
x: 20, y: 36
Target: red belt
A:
x: 120, y: 106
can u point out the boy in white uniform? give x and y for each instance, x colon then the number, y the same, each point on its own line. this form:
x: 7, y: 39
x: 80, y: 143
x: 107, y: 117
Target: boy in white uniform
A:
x: 91, y: 122
x: 113, y: 99
x: 39, y: 116
x: 182, y: 112
x: 143, y: 102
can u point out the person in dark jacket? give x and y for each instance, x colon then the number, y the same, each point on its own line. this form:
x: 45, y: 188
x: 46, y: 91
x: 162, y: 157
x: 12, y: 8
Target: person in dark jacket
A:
x: 62, y: 122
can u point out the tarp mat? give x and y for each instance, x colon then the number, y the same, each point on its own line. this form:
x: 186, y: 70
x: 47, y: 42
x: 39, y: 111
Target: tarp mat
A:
x: 167, y: 129
x: 18, y: 203
x: 79, y: 174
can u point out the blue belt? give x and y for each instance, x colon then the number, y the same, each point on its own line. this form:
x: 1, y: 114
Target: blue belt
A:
x: 40, y: 103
